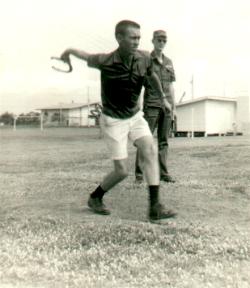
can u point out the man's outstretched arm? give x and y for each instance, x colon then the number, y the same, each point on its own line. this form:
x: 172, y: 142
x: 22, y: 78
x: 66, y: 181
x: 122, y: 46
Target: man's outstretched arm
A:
x: 75, y: 52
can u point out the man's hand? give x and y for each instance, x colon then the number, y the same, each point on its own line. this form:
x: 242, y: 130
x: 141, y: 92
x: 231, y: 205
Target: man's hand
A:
x: 166, y: 104
x: 65, y: 56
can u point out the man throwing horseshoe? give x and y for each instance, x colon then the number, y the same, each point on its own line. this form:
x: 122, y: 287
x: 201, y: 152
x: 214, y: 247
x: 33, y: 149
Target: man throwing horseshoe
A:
x: 122, y: 76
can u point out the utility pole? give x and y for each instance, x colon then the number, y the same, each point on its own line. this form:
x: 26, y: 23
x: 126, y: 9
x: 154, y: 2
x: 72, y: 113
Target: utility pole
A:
x: 192, y: 86
x: 192, y: 109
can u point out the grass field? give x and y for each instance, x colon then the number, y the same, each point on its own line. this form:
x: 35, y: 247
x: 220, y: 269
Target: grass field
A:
x: 49, y: 238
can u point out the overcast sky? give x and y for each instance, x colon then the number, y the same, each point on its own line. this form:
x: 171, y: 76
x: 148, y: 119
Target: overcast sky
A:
x: 207, y: 39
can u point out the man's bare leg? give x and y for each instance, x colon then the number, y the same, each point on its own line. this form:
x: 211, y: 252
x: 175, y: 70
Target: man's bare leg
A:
x: 119, y: 173
x: 149, y: 159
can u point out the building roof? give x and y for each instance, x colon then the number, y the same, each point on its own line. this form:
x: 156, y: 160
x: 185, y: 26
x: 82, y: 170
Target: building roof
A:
x: 67, y: 106
x: 200, y: 99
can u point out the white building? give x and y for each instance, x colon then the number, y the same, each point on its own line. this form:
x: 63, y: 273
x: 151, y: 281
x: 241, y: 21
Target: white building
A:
x: 207, y: 116
x: 73, y: 114
x: 243, y: 113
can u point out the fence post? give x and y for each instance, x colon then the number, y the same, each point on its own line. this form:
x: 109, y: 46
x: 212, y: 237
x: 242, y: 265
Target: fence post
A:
x: 41, y: 121
x: 14, y: 123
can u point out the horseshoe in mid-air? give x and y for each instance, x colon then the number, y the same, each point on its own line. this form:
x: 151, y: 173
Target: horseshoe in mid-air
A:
x: 70, y: 68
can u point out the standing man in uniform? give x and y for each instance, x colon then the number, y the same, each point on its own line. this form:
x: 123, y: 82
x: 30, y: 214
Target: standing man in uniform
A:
x: 122, y: 75
x: 154, y: 113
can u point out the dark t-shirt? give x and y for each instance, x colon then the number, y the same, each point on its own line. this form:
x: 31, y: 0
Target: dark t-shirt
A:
x: 121, y: 85
x: 166, y: 74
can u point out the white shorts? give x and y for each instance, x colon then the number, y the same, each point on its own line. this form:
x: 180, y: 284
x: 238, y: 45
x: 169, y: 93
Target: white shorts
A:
x: 118, y: 131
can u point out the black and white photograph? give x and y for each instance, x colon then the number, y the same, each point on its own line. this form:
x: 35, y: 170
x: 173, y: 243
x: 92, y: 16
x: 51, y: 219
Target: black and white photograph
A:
x: 124, y: 144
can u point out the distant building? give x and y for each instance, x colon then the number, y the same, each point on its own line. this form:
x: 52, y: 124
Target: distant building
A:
x: 73, y: 114
x: 243, y: 113
x: 207, y: 116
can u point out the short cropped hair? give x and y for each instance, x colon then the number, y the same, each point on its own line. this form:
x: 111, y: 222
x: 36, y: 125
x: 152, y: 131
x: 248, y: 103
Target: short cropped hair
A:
x: 121, y: 26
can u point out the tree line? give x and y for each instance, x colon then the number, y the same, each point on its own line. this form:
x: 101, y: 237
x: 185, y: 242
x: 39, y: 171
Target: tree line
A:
x: 31, y: 118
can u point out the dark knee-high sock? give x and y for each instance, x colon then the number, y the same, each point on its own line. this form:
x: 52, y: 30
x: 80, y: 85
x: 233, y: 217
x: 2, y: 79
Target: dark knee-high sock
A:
x: 98, y: 193
x: 153, y: 194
